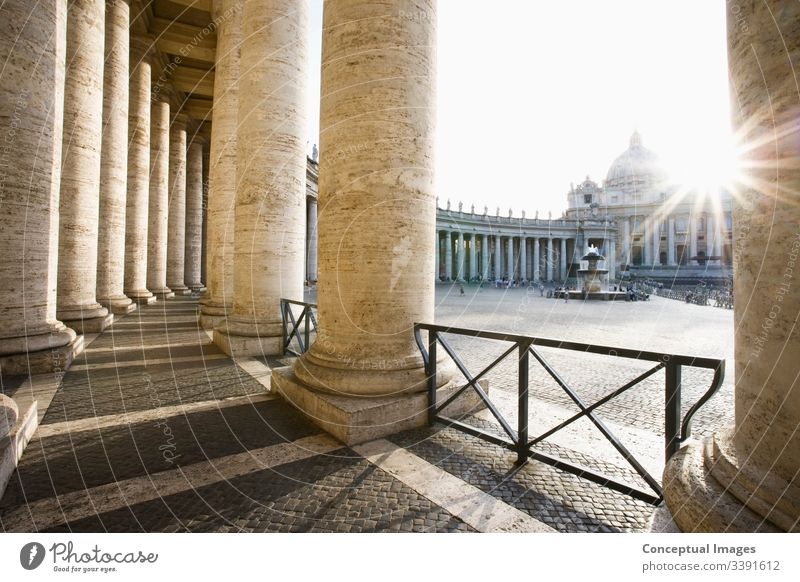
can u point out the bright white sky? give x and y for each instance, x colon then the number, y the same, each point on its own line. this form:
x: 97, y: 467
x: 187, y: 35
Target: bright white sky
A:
x: 534, y: 95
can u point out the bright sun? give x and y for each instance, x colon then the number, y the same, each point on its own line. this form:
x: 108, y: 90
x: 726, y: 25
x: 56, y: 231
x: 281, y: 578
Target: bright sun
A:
x: 715, y: 167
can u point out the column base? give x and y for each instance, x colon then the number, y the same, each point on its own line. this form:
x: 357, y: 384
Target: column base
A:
x: 180, y: 290
x: 45, y: 361
x: 699, y: 502
x: 162, y: 294
x: 238, y: 346
x: 118, y: 305
x: 359, y: 419
x: 90, y: 324
x: 212, y: 313
x: 141, y: 297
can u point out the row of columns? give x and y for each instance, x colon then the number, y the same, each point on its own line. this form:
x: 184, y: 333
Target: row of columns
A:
x: 651, y: 239
x: 99, y: 179
x: 548, y: 260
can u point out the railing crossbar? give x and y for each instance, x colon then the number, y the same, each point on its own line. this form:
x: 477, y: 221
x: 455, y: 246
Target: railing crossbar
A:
x: 460, y: 365
x: 476, y: 379
x: 597, y: 404
x: 615, y: 442
x: 295, y: 328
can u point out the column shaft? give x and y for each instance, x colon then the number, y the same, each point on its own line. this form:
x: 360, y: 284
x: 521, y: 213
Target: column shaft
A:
x: 550, y: 259
x: 32, y: 49
x: 80, y: 169
x: 523, y: 259
x: 448, y: 255
x: 536, y: 254
x: 194, y: 218
x: 498, y: 268
x: 176, y: 221
x: 485, y: 256
x: 222, y: 165
x: 460, y: 256
x: 158, y: 203
x: 138, y: 196
x: 626, y: 241
x: 269, y: 257
x: 311, y: 228
x: 563, y: 259
x: 692, y: 239
x: 671, y: 241
x: 114, y: 161
x: 473, y: 256
x: 510, y: 258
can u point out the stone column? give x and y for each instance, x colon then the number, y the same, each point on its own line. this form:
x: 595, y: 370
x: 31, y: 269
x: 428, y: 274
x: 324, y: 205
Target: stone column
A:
x: 549, y: 258
x: 656, y: 242
x: 114, y: 161
x: 510, y: 258
x: 498, y: 265
x: 745, y: 478
x: 158, y: 204
x: 718, y: 238
x: 222, y: 165
x: 269, y: 257
x: 647, y: 238
x: 709, y: 236
x: 437, y: 264
x: 611, y: 260
x: 671, y: 241
x: 138, y: 196
x: 176, y: 215
x: 626, y: 241
x: 311, y: 228
x: 378, y: 80
x: 32, y: 49
x: 473, y: 256
x: 79, y: 206
x: 536, y: 255
x: 448, y: 255
x: 460, y: 256
x: 693, y: 239
x: 523, y: 259
x: 562, y: 255
x: 485, y: 256
x: 193, y: 248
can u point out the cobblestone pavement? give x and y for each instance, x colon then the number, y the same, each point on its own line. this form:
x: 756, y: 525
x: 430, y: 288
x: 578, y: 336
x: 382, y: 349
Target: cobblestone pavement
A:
x: 154, y: 429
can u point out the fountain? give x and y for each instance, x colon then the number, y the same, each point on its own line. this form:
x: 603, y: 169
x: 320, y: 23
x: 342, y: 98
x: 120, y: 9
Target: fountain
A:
x: 593, y: 280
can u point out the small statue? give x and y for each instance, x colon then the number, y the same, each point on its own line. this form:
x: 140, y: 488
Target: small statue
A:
x: 497, y: 212
x: 472, y: 209
x: 523, y: 215
x: 460, y: 206
x: 448, y: 204
x: 485, y: 210
x: 315, y: 153
x: 510, y: 213
x: 437, y: 202
x: 549, y: 215
x: 537, y: 215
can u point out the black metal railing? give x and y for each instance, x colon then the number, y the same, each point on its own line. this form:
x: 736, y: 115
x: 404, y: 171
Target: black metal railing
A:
x: 297, y: 328
x: 676, y: 430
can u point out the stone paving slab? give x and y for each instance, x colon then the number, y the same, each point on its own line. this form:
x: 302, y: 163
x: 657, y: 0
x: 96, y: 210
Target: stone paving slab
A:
x: 65, y: 463
x: 339, y: 492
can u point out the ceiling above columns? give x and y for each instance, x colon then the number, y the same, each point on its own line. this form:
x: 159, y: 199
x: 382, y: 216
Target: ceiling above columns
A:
x: 185, y: 42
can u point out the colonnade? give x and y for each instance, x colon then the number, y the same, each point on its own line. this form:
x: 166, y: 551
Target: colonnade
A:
x: 94, y: 190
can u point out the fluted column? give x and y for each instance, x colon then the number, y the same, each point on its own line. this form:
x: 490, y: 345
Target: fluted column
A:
x: 473, y: 256
x: 745, y: 478
x: 523, y: 259
x: 79, y: 206
x: 448, y: 255
x: 460, y: 256
x: 693, y: 239
x: 536, y: 255
x: 114, y: 161
x: 709, y: 237
x: 671, y: 241
x: 437, y: 264
x: 549, y: 258
x: 222, y: 165
x: 626, y: 241
x: 176, y: 221
x: 311, y: 228
x: 138, y: 196
x: 32, y: 49
x: 378, y: 78
x: 647, y: 243
x: 158, y: 204
x: 269, y: 243
x: 193, y: 248
x: 485, y: 256
x: 656, y: 242
x: 562, y: 256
